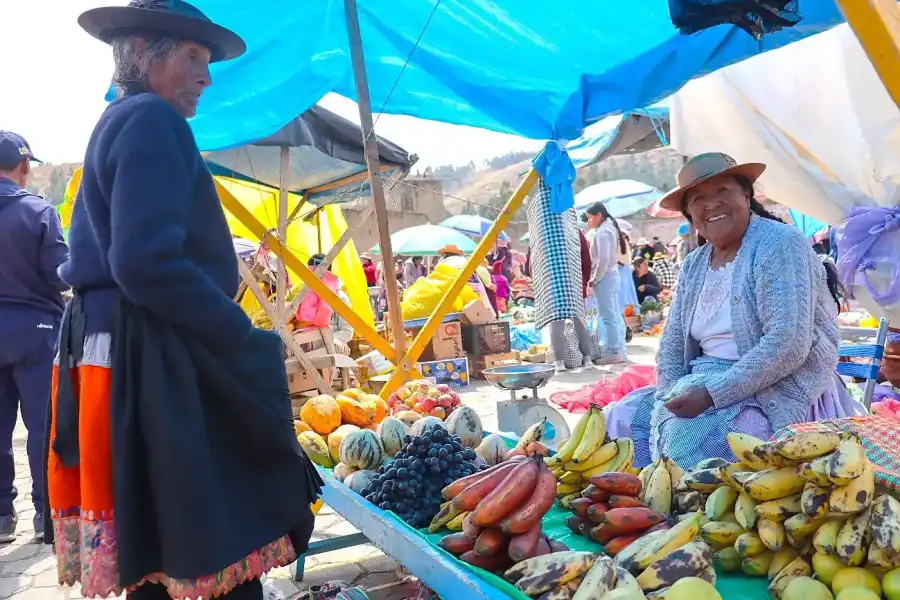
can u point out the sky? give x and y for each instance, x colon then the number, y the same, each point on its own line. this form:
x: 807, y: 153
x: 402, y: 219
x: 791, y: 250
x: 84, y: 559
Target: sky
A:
x: 54, y: 88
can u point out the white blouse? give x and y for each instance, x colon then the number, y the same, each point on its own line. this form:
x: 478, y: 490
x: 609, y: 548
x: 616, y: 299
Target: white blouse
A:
x: 711, y: 325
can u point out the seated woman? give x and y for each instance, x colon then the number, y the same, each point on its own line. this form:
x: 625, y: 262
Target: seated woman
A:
x: 342, y: 331
x: 753, y: 316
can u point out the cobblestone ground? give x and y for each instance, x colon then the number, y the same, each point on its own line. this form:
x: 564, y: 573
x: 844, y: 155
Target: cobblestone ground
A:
x: 28, y: 569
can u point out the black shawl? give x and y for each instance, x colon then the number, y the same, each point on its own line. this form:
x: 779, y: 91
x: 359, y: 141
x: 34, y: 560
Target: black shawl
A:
x: 206, y: 465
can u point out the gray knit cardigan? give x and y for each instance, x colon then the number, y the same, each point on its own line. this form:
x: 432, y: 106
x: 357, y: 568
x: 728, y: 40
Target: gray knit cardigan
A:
x: 784, y: 320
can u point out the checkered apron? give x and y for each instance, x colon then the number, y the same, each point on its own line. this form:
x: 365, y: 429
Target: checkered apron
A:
x: 555, y: 262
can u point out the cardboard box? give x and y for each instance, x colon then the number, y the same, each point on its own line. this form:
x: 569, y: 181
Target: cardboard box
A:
x: 477, y: 313
x: 453, y: 372
x: 487, y: 361
x: 446, y: 343
x: 373, y: 364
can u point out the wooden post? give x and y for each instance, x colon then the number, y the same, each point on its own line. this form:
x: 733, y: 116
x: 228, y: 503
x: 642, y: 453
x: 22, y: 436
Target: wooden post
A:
x: 404, y: 365
x: 373, y: 164
x: 281, y: 274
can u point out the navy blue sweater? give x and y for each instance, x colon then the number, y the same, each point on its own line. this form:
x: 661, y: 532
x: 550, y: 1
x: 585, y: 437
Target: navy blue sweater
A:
x: 31, y: 251
x: 147, y: 223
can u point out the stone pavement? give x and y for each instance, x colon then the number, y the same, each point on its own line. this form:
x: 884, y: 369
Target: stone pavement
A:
x: 28, y: 569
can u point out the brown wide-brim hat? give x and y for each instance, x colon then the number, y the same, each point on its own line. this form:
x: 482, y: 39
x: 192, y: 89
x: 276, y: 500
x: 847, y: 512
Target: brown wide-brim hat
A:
x: 704, y: 167
x: 169, y: 18
x: 451, y: 249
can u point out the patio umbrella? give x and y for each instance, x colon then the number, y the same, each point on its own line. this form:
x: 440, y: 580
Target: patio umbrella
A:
x: 622, y: 197
x: 426, y: 240
x: 471, y: 224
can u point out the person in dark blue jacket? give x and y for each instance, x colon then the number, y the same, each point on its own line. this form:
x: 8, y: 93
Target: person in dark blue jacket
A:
x: 172, y: 466
x: 31, y: 305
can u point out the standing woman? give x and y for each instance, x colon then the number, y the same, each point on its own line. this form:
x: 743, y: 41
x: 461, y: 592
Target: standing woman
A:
x: 173, y: 470
x: 608, y: 245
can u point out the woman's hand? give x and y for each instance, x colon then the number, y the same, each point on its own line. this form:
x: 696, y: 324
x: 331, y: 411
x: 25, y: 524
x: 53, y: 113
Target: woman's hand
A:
x: 690, y: 403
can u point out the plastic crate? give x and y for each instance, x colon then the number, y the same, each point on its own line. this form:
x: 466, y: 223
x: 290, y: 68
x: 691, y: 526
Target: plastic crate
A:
x: 491, y: 338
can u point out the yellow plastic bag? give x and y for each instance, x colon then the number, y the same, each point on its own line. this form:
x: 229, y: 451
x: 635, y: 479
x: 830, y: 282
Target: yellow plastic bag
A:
x: 423, y: 296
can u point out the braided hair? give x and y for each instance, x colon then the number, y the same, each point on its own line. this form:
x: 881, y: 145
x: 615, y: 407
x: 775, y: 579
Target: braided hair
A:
x: 831, y: 278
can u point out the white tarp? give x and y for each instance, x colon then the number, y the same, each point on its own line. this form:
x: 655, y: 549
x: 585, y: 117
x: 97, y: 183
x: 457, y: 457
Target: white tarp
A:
x: 815, y: 112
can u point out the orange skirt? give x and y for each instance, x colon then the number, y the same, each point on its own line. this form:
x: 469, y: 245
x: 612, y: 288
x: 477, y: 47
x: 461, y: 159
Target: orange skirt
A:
x: 82, y: 507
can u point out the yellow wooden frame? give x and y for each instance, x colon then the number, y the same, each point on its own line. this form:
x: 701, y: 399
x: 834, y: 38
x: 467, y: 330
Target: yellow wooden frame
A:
x: 405, y: 365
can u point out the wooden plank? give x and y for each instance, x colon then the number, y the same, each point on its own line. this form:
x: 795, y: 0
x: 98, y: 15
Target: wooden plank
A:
x: 373, y: 164
x: 876, y: 24
x: 402, y: 372
x: 240, y: 212
x: 300, y: 355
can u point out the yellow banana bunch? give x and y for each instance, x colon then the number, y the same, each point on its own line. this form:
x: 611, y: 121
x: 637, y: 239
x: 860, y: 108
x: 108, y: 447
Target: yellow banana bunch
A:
x: 720, y: 502
x: 534, y: 576
x: 567, y: 449
x: 781, y: 509
x: 671, y: 540
x: 885, y: 523
x: 808, y: 446
x: 593, y: 436
x: 853, y: 539
x: 749, y: 544
x: 692, y: 559
x: 775, y: 483
x: 758, y: 565
x: 658, y: 494
x: 796, y: 568
x: 857, y: 495
x: 825, y: 538
x: 771, y: 533
x: 847, y: 462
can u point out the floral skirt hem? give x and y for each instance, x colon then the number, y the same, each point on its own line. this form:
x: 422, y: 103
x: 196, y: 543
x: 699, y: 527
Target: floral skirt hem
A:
x: 86, y: 554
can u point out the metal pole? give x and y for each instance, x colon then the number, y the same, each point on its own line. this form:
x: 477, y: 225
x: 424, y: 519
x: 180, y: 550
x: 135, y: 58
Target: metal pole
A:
x: 281, y: 273
x: 373, y: 164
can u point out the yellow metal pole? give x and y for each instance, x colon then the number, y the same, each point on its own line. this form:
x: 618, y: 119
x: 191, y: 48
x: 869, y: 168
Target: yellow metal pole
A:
x: 876, y: 24
x: 249, y: 221
x: 405, y: 364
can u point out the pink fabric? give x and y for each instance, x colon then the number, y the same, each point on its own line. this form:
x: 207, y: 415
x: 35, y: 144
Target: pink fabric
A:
x: 887, y: 408
x: 502, y: 286
x: 313, y: 311
x: 607, y: 390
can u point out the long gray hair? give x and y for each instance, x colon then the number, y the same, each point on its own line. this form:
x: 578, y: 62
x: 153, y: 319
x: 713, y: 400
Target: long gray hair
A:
x: 134, y: 57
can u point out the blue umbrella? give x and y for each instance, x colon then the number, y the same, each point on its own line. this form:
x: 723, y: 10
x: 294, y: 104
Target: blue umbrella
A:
x: 621, y: 197
x: 471, y: 224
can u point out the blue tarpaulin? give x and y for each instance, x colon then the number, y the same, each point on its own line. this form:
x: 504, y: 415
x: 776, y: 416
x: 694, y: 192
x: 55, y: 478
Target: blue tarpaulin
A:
x: 534, y: 68
x: 807, y: 225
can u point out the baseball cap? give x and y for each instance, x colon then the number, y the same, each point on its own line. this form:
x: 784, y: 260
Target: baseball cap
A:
x: 14, y: 149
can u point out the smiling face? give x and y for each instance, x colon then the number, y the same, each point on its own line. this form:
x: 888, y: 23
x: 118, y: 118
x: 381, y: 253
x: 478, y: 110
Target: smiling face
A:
x: 182, y: 76
x: 719, y: 209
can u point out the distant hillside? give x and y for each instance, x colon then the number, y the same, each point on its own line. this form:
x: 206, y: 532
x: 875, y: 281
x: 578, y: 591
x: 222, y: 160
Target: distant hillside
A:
x: 50, y: 181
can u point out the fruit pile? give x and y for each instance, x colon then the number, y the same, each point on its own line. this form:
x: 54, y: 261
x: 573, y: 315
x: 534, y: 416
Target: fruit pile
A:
x: 587, y: 453
x: 587, y: 576
x: 501, y: 509
x: 794, y: 507
x: 411, y: 484
x: 658, y: 482
x: 424, y: 398
x: 610, y: 513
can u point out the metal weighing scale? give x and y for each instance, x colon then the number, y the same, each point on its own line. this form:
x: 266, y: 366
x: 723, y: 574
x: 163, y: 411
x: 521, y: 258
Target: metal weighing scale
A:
x: 520, y: 412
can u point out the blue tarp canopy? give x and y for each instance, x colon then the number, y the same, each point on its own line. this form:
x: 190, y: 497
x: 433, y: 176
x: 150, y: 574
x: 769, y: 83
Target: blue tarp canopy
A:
x: 622, y: 197
x: 806, y: 224
x: 534, y: 68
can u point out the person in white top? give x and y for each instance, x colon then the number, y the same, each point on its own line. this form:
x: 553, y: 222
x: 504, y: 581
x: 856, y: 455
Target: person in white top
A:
x: 608, y: 244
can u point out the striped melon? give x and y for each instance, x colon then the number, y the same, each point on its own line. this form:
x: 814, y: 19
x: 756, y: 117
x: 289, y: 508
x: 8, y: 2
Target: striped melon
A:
x: 391, y: 432
x: 341, y: 471
x: 336, y: 437
x: 361, y: 450
x: 426, y: 424
x: 465, y: 423
x: 359, y: 480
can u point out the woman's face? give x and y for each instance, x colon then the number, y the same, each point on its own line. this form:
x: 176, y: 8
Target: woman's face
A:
x: 595, y: 221
x: 719, y: 209
x: 182, y: 76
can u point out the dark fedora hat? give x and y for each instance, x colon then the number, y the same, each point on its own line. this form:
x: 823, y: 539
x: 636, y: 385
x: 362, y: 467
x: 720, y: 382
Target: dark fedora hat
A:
x: 171, y: 18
